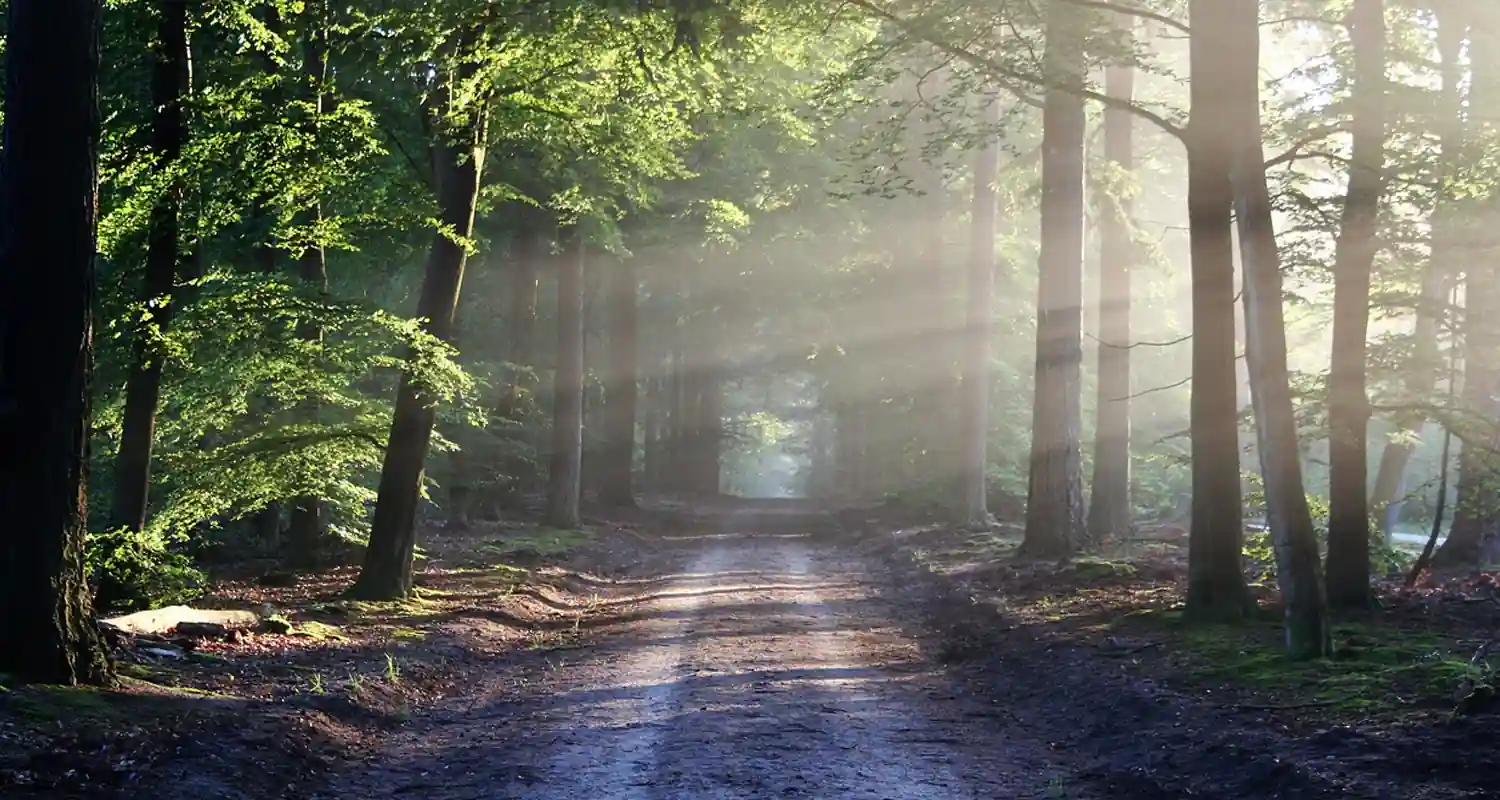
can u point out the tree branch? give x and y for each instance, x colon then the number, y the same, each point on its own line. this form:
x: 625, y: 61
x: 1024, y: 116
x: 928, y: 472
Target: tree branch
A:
x: 995, y: 68
x: 1133, y: 11
x: 1102, y: 343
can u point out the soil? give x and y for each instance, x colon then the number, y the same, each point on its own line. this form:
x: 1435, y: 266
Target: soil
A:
x: 739, y: 650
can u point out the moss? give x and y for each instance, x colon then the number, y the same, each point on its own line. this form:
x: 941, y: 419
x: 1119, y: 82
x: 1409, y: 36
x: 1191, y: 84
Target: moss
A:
x: 45, y: 703
x: 536, y: 543
x: 409, y: 634
x: 1088, y: 569
x: 320, y: 631
x: 1373, y: 669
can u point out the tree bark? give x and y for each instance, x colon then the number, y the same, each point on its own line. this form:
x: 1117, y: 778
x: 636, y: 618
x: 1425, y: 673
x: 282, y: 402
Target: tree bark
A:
x: 48, y: 227
x: 565, y: 470
x: 1054, y: 497
x: 1109, y: 500
x: 457, y: 158
x: 1388, y: 495
x: 1298, y: 570
x: 617, y: 483
x: 974, y: 397
x: 132, y: 468
x: 1216, y: 582
x: 1348, y: 404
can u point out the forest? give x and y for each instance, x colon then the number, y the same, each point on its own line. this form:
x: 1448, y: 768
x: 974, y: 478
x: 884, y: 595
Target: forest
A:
x: 379, y: 376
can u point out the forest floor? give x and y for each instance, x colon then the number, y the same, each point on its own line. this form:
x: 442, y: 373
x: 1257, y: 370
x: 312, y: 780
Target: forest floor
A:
x: 764, y: 650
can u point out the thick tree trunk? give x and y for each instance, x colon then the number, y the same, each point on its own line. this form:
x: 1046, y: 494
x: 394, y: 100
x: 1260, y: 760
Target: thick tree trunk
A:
x: 132, y: 473
x: 48, y: 224
x: 387, y: 571
x: 1348, y: 404
x: 1216, y: 582
x: 1388, y: 494
x: 1298, y: 570
x: 565, y: 470
x: 617, y: 483
x: 1109, y: 500
x: 1054, y: 497
x: 306, y: 526
x: 974, y: 399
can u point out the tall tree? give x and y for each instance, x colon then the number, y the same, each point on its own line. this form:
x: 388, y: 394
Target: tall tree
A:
x: 305, y: 525
x: 132, y: 474
x: 1473, y: 536
x: 1387, y: 496
x: 617, y: 483
x: 48, y: 228
x: 457, y: 154
x: 1109, y: 499
x: 565, y: 470
x: 1216, y: 582
x: 1348, y: 404
x: 1054, y: 495
x: 974, y: 399
x: 1298, y: 571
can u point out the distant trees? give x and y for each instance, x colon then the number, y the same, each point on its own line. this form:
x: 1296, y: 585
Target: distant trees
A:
x: 974, y: 397
x: 1109, y: 515
x: 48, y: 232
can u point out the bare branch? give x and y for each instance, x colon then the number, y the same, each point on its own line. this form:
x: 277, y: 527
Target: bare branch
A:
x: 1102, y: 343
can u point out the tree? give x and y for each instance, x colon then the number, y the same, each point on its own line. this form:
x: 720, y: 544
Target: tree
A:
x: 132, y: 478
x: 1054, y: 497
x: 974, y: 398
x: 1109, y: 499
x: 1421, y: 378
x: 1298, y: 571
x: 457, y: 156
x: 1354, y: 257
x: 305, y: 526
x: 48, y: 230
x: 1216, y: 582
x: 1473, y: 535
x: 565, y: 469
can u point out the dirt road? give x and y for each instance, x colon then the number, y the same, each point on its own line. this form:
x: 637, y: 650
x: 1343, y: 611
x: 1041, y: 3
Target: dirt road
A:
x: 766, y: 669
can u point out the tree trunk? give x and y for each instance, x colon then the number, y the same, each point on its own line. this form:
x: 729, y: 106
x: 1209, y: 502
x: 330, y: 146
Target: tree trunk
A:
x: 132, y: 473
x: 651, y: 447
x: 1054, y: 497
x: 48, y: 225
x: 565, y: 470
x: 306, y: 526
x: 617, y: 483
x: 974, y: 399
x: 1109, y: 500
x: 1388, y: 495
x: 1476, y: 515
x: 1216, y: 583
x: 1298, y: 570
x: 673, y: 477
x: 1348, y: 405
x: 457, y: 158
